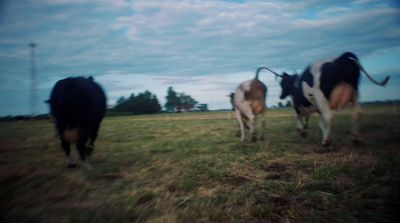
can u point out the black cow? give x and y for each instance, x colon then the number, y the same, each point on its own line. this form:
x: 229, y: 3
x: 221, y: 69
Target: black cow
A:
x: 323, y: 86
x: 77, y: 105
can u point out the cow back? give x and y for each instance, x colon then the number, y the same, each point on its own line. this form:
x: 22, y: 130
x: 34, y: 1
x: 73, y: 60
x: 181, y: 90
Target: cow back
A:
x: 341, y: 70
x: 77, y: 102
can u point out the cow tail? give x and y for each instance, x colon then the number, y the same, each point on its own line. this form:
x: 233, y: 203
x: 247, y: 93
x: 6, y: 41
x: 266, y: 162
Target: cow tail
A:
x: 260, y: 68
x: 257, y: 72
x: 382, y: 83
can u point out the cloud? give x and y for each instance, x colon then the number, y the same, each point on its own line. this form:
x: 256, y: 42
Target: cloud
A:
x: 360, y: 2
x: 227, y: 31
x: 204, y: 47
x: 334, y: 11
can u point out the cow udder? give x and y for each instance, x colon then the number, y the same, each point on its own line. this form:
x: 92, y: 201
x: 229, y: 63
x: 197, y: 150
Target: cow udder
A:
x: 71, y: 135
x: 257, y: 107
x: 342, y: 94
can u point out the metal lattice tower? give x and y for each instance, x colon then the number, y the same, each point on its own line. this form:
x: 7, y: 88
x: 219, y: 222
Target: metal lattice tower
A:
x: 33, y: 79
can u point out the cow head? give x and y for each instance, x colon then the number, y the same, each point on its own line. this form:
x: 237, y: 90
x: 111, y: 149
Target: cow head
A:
x: 231, y: 99
x: 287, y: 85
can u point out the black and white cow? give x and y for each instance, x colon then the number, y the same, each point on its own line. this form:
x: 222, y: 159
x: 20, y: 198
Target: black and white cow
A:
x: 323, y: 86
x: 77, y: 105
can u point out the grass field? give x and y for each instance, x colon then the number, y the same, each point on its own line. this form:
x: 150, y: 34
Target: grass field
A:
x: 191, y: 168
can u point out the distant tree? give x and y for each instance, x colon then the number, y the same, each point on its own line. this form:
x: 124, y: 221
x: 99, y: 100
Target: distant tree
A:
x: 143, y: 103
x: 187, y: 102
x: 179, y: 101
x: 155, y: 106
x: 121, y: 104
x: 146, y: 103
x: 202, y: 107
x: 130, y: 102
x: 173, y: 102
x: 121, y: 100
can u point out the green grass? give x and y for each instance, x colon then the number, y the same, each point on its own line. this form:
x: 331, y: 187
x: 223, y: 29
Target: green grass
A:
x: 191, y: 167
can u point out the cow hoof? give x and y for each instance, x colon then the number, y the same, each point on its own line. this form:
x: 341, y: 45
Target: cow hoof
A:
x: 356, y: 140
x: 72, y: 165
x: 238, y: 134
x: 302, y: 133
x: 89, y: 150
x: 87, y: 166
x: 326, y: 143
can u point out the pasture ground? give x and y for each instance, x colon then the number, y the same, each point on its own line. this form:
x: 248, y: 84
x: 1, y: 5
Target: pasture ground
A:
x: 191, y: 168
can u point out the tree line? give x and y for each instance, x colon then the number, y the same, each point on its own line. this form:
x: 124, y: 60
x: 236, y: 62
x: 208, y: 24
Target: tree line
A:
x: 147, y: 103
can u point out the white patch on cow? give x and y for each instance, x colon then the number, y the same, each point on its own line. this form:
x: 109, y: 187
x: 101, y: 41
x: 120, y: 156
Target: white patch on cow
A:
x: 244, y: 109
x: 326, y: 116
x: 315, y: 70
x: 239, y: 100
x: 315, y: 96
x: 308, y: 92
x: 246, y: 85
x: 241, y: 125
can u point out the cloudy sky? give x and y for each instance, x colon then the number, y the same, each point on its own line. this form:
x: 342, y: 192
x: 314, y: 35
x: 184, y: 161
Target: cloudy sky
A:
x: 203, y: 48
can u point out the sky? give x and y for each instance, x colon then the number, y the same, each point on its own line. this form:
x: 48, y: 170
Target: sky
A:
x: 202, y: 48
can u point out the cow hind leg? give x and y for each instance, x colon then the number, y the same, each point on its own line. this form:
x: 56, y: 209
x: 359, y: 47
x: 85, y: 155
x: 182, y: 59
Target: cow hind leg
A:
x: 85, y: 159
x: 305, y: 124
x: 301, y: 125
x: 81, y: 146
x: 305, y: 119
x: 326, y: 118
x: 262, y: 129
x: 93, y: 135
x: 241, y: 125
x: 252, y: 125
x: 325, y: 125
x: 249, y: 118
x: 89, y: 148
x: 67, y: 149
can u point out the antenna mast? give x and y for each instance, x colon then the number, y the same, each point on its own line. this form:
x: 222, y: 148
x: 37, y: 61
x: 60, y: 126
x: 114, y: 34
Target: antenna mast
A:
x: 33, y: 79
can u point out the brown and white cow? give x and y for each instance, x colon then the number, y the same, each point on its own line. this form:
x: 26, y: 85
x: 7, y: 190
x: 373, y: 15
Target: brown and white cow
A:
x: 249, y: 102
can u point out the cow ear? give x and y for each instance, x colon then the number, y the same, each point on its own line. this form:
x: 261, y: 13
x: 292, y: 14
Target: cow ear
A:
x: 47, y: 101
x: 90, y: 78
